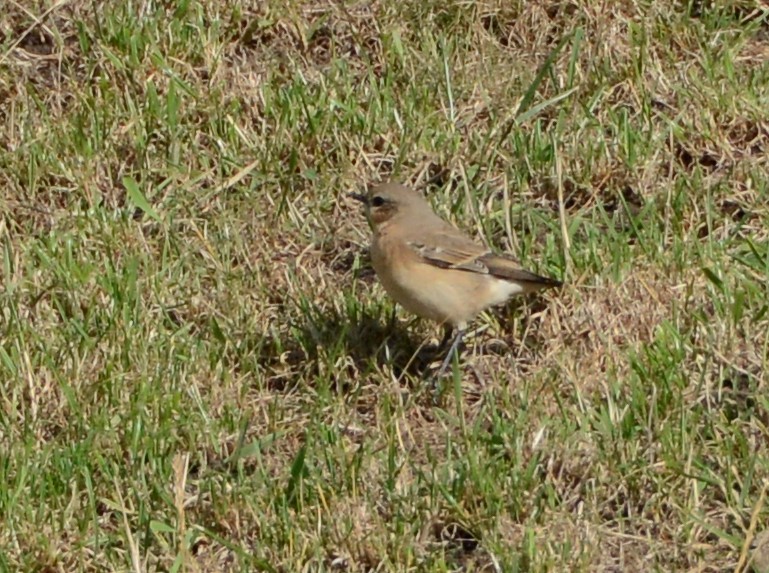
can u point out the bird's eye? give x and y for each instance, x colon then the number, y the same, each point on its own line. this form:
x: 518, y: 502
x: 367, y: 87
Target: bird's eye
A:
x: 377, y: 201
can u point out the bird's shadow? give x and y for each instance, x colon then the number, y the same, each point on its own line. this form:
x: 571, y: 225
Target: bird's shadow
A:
x: 384, y: 341
x: 371, y: 340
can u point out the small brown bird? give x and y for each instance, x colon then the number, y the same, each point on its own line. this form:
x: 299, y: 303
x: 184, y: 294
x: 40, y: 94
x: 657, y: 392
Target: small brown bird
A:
x: 433, y: 269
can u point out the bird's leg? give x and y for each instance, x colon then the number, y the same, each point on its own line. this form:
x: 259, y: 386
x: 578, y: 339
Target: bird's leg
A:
x: 447, y: 332
x: 454, y: 349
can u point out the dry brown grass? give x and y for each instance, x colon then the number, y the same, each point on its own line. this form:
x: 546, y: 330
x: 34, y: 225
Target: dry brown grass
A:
x: 219, y: 389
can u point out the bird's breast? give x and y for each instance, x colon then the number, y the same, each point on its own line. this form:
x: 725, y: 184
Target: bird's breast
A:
x: 443, y: 295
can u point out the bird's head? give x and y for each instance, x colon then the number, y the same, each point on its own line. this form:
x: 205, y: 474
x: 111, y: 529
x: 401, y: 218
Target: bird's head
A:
x: 388, y: 201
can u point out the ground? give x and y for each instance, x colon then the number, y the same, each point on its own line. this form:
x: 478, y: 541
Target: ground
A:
x: 200, y: 371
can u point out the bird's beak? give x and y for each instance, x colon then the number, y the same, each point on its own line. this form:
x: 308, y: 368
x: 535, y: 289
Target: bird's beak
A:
x: 359, y: 197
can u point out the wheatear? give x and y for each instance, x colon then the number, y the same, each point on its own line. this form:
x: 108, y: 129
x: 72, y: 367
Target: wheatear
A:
x: 434, y: 270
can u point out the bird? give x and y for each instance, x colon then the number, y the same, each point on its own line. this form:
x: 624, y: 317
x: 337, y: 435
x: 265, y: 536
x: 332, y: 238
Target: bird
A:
x: 433, y: 269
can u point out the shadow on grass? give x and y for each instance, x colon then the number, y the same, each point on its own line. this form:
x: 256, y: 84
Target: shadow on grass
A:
x: 331, y: 348
x: 343, y: 348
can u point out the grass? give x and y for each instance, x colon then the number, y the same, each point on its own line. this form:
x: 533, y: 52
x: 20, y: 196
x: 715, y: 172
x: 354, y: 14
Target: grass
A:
x: 197, y: 368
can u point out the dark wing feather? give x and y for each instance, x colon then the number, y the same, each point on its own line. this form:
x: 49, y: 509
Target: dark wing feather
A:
x: 508, y: 268
x: 448, y: 249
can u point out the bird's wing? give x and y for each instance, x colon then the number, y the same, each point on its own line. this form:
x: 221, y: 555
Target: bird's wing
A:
x: 449, y: 249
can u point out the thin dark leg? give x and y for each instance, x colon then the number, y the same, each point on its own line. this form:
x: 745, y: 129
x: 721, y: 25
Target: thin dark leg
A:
x: 453, y: 350
x: 447, y: 332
